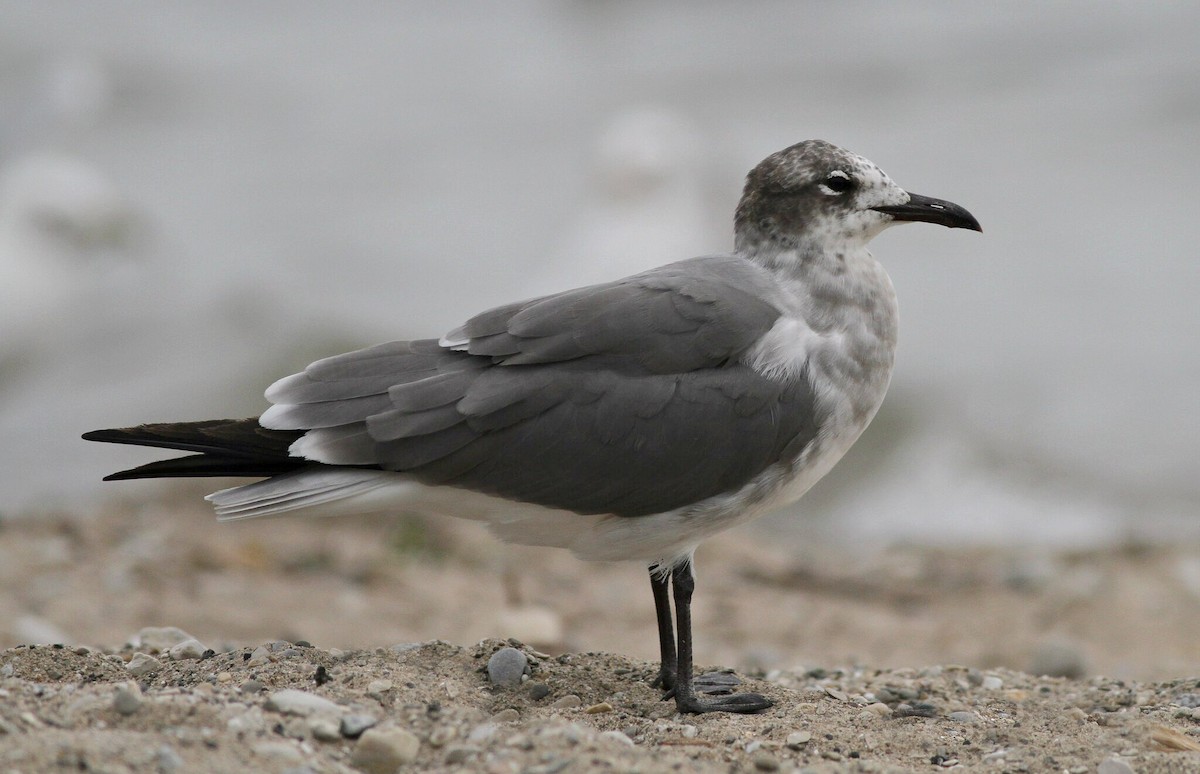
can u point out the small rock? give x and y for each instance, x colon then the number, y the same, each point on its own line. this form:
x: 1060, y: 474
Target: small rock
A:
x: 459, y: 754
x: 764, y: 761
x: 798, y: 739
x: 251, y: 687
x: 290, y: 701
x: 879, y: 708
x: 128, y: 698
x: 260, y: 656
x: 570, y: 701
x: 167, y: 761
x: 482, y: 732
x: 992, y: 683
x: 379, y: 686
x: 836, y: 694
x: 688, y: 731
x: 538, y: 691
x: 509, y: 715
x: 507, y: 666
x: 596, y: 709
x: 519, y: 741
x: 1114, y: 765
x: 963, y: 716
x: 617, y: 737
x: 224, y: 677
x: 384, y: 751
x: 325, y: 730
x: 281, y: 752
x: 7, y: 670
x: 142, y: 664
x: 1057, y: 659
x: 158, y: 639
x: 352, y: 726
x: 188, y: 650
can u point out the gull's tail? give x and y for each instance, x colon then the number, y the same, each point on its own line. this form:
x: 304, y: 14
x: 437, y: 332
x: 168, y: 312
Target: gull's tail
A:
x: 223, y: 447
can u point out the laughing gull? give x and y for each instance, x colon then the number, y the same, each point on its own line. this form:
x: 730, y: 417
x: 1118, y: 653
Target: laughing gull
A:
x: 627, y: 420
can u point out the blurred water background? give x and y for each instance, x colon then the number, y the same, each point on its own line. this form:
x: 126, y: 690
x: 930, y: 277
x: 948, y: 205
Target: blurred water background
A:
x: 197, y: 198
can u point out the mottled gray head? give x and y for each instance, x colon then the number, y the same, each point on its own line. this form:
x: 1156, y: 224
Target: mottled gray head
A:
x: 814, y: 195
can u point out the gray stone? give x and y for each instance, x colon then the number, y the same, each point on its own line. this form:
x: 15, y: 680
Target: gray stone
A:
x: 128, y: 698
x: 538, y: 691
x: 352, y: 726
x: 167, y: 761
x: 1114, y: 765
x: 251, y: 687
x: 189, y: 650
x: 509, y: 715
x: 963, y: 716
x: 459, y: 754
x: 385, y: 750
x: 290, y: 701
x: 617, y: 737
x: 142, y: 664
x: 260, y: 656
x: 798, y: 739
x: 570, y: 701
x: 325, y: 729
x: 507, y: 666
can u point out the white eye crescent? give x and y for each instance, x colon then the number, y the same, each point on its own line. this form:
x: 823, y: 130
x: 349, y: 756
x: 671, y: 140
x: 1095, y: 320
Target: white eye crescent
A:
x: 837, y: 183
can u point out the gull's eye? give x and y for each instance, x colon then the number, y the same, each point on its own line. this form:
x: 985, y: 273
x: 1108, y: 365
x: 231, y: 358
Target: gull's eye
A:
x: 838, y: 182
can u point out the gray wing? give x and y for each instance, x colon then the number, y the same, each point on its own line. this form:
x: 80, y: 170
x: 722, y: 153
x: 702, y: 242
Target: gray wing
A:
x: 625, y: 398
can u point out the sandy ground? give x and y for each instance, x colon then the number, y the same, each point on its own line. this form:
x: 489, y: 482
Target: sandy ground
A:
x: 902, y: 658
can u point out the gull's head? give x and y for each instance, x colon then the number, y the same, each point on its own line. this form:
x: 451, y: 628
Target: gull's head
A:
x: 815, y: 195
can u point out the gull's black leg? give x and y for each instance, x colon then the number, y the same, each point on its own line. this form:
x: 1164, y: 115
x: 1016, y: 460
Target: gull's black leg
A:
x: 683, y: 583
x: 659, y: 580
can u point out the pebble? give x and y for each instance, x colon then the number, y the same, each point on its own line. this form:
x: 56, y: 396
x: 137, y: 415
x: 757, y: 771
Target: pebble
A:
x: 798, y: 739
x: 7, y: 670
x: 482, y: 732
x: 442, y: 735
x: 142, y: 664
x: 764, y: 761
x: 260, y: 656
x: 1190, y: 700
x: 281, y: 752
x: 570, y: 701
x: 325, y: 730
x: 224, y: 677
x: 459, y: 753
x: 963, y: 716
x: 128, y: 698
x: 290, y: 701
x: 352, y: 726
x: 167, y: 760
x: 689, y: 731
x: 992, y: 683
x: 1114, y: 766
x: 618, y: 737
x: 158, y: 639
x: 251, y: 687
x: 836, y: 694
x: 538, y: 691
x: 383, y: 751
x: 509, y: 715
x: 189, y: 650
x: 507, y: 666
x: 879, y: 708
x: 596, y: 709
x: 378, y: 686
